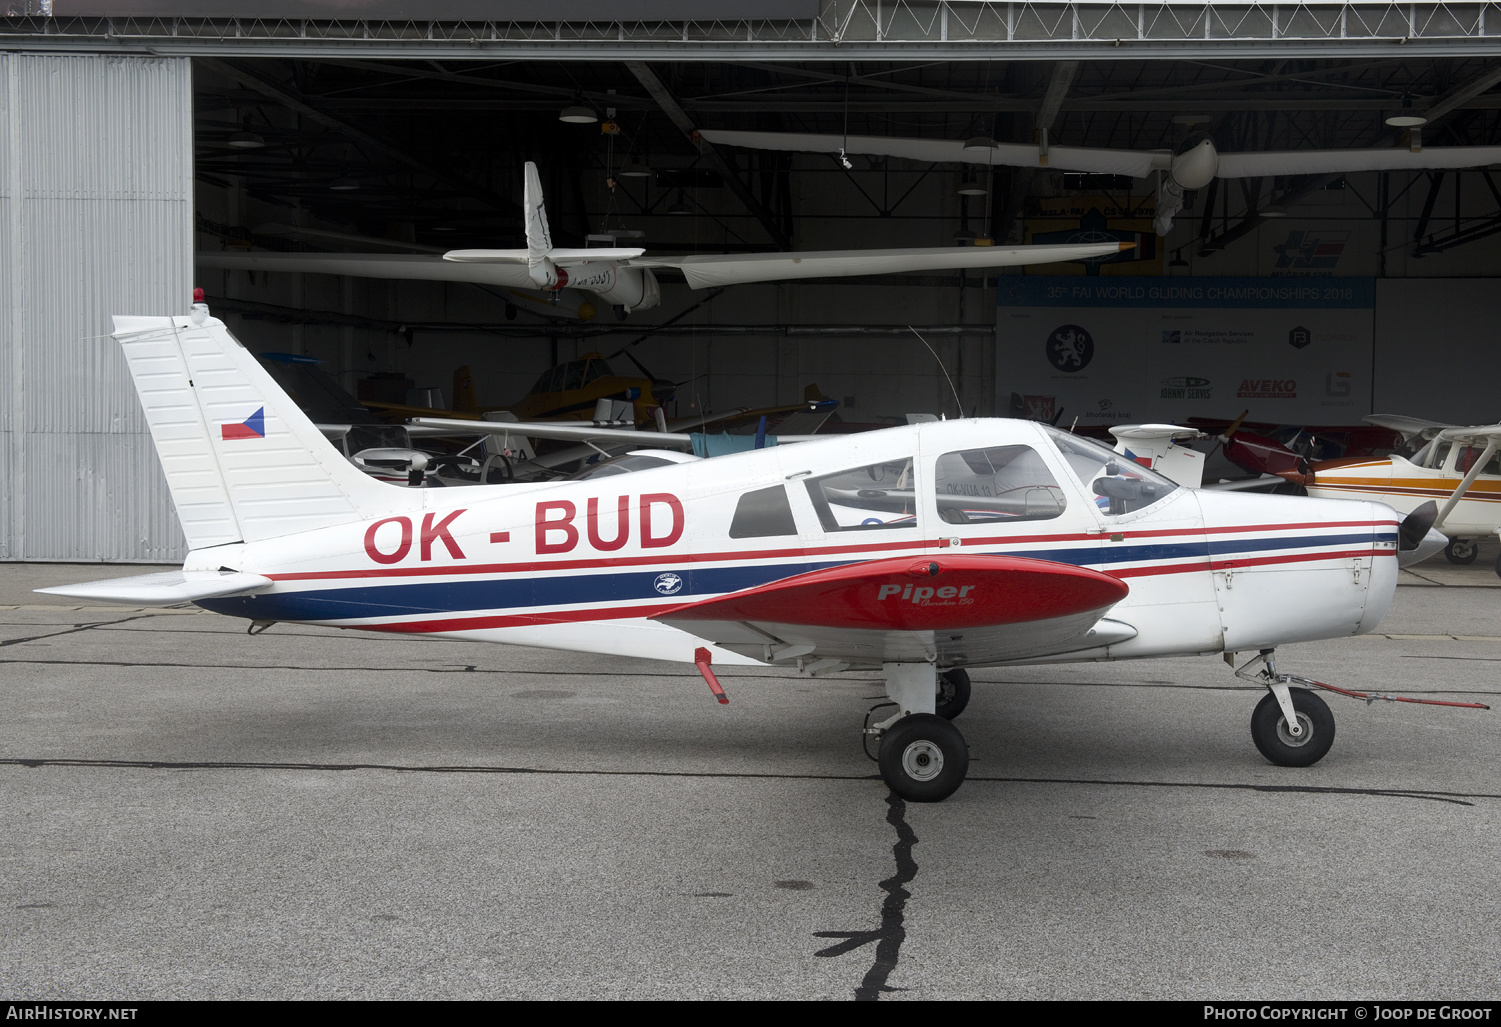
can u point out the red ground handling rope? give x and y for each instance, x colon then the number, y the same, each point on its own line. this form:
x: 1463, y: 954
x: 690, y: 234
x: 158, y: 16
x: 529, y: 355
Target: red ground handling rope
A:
x: 1369, y: 698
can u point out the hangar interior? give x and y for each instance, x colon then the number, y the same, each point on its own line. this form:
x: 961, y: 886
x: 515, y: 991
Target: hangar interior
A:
x: 392, y: 143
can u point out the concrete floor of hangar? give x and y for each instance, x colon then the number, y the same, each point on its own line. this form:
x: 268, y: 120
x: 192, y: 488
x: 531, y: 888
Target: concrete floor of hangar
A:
x: 192, y: 812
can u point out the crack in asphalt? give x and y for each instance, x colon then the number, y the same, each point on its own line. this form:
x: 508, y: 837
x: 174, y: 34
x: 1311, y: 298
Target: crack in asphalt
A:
x: 1455, y: 798
x: 74, y: 629
x: 889, y: 936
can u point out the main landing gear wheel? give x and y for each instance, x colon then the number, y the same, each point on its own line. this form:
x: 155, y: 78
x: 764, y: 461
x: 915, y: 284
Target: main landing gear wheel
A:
x: 1269, y: 729
x: 953, y: 692
x: 1461, y: 551
x: 923, y: 758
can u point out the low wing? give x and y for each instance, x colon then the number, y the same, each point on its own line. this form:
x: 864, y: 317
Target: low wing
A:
x: 1136, y: 163
x: 705, y: 271
x: 1325, y: 162
x: 950, y: 609
x: 376, y: 265
x: 167, y: 588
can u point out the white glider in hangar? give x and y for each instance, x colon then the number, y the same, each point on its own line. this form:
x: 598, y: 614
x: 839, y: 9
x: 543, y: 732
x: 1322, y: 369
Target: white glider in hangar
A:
x: 625, y: 278
x: 1192, y: 165
x: 918, y: 552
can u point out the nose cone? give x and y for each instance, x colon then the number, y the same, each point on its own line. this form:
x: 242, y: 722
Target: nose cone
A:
x: 1195, y: 166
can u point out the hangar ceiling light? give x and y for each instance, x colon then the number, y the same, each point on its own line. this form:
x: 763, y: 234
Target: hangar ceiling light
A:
x: 246, y: 140
x: 577, y: 114
x: 344, y: 185
x: 1408, y: 116
x: 634, y: 168
x: 971, y: 186
x: 980, y: 143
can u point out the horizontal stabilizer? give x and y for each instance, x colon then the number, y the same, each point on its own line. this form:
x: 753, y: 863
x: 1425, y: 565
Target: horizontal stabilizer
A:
x: 167, y: 588
x: 558, y: 255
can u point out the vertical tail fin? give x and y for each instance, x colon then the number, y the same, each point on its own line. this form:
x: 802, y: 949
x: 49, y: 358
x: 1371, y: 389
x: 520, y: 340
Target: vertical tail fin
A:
x: 538, y: 236
x: 243, y: 463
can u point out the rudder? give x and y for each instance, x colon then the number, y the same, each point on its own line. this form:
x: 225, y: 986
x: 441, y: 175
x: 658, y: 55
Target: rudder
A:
x: 243, y: 462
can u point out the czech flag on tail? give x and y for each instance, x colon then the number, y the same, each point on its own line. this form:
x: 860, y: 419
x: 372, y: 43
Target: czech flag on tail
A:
x: 253, y: 427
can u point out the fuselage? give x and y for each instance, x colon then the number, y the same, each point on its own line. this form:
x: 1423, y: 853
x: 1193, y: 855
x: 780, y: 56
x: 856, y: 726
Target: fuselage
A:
x: 1405, y: 485
x: 582, y: 565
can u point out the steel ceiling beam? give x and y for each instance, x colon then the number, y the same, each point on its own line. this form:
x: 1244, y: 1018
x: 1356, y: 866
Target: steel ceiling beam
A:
x: 727, y: 171
x: 268, y: 87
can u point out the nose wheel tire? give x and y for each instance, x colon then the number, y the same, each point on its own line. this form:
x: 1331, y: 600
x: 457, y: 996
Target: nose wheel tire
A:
x: 953, y: 693
x: 923, y: 758
x: 1461, y: 551
x: 1270, y: 732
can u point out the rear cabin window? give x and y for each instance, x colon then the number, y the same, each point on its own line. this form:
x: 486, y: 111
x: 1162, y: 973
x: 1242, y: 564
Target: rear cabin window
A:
x: 764, y: 513
x: 999, y: 484
x: 1468, y: 455
x: 866, y: 498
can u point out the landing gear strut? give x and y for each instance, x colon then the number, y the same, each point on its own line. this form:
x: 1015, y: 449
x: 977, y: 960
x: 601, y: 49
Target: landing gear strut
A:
x: 1461, y: 551
x: 1292, y: 727
x: 923, y: 758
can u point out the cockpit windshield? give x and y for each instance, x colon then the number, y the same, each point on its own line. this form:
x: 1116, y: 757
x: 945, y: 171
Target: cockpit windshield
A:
x: 1120, y: 484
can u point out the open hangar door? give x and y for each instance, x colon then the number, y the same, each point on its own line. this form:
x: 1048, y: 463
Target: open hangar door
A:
x: 389, y: 156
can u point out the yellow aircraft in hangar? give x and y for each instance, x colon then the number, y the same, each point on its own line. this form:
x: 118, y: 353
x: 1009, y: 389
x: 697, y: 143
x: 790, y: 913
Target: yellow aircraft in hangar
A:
x: 1458, y: 468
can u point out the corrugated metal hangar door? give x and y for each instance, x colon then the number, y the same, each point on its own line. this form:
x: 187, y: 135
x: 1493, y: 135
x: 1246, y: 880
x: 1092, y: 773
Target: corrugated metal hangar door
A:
x: 96, y: 218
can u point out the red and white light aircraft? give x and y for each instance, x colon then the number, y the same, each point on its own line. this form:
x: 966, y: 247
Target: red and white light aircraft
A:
x: 918, y: 551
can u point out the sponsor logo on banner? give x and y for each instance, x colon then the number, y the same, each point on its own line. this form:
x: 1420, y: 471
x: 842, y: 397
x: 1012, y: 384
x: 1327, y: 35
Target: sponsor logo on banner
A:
x: 1186, y: 387
x: 1305, y: 252
x: 1108, y: 412
x: 1040, y: 408
x: 1205, y: 337
x: 1299, y: 337
x: 1337, y: 384
x: 1070, y: 348
x: 1267, y: 388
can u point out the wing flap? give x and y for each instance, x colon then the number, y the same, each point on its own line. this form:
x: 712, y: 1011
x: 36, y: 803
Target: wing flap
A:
x: 952, y: 609
x: 167, y: 588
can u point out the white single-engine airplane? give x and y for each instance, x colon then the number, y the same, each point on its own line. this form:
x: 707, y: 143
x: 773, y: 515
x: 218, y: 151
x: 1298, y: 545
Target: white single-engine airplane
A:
x: 918, y: 551
x: 1457, y: 467
x: 1192, y: 165
x: 624, y: 276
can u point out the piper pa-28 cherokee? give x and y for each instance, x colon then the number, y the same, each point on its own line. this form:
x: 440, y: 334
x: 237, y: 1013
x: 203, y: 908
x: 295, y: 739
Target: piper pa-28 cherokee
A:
x: 918, y: 551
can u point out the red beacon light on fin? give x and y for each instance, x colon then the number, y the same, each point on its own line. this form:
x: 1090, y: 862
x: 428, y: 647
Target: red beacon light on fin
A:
x: 199, y: 313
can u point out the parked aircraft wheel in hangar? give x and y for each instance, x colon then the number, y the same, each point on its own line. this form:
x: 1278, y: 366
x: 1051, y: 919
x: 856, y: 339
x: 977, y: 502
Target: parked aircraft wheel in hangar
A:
x: 1461, y: 551
x: 1269, y: 730
x: 923, y: 758
x: 953, y: 693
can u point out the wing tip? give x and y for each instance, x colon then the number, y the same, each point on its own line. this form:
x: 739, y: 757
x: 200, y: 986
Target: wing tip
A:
x: 1127, y: 246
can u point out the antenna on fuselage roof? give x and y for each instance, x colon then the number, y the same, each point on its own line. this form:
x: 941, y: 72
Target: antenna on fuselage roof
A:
x: 958, y: 404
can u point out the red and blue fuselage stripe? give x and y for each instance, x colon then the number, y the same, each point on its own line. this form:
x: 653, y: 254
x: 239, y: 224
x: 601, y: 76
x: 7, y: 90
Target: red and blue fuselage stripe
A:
x: 540, y: 587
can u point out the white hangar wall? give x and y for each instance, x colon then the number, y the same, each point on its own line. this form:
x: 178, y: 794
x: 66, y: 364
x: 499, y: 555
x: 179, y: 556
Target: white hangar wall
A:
x: 96, y: 218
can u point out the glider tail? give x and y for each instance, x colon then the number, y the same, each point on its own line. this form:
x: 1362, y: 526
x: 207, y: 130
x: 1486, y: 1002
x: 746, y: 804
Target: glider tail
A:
x: 243, y: 462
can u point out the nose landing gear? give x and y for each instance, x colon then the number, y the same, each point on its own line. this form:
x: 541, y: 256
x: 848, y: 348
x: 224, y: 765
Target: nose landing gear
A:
x: 1293, y: 727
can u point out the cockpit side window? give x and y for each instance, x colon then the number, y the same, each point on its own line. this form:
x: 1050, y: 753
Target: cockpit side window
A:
x: 1469, y: 454
x: 996, y: 485
x: 866, y: 498
x: 575, y: 376
x: 1120, y: 484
